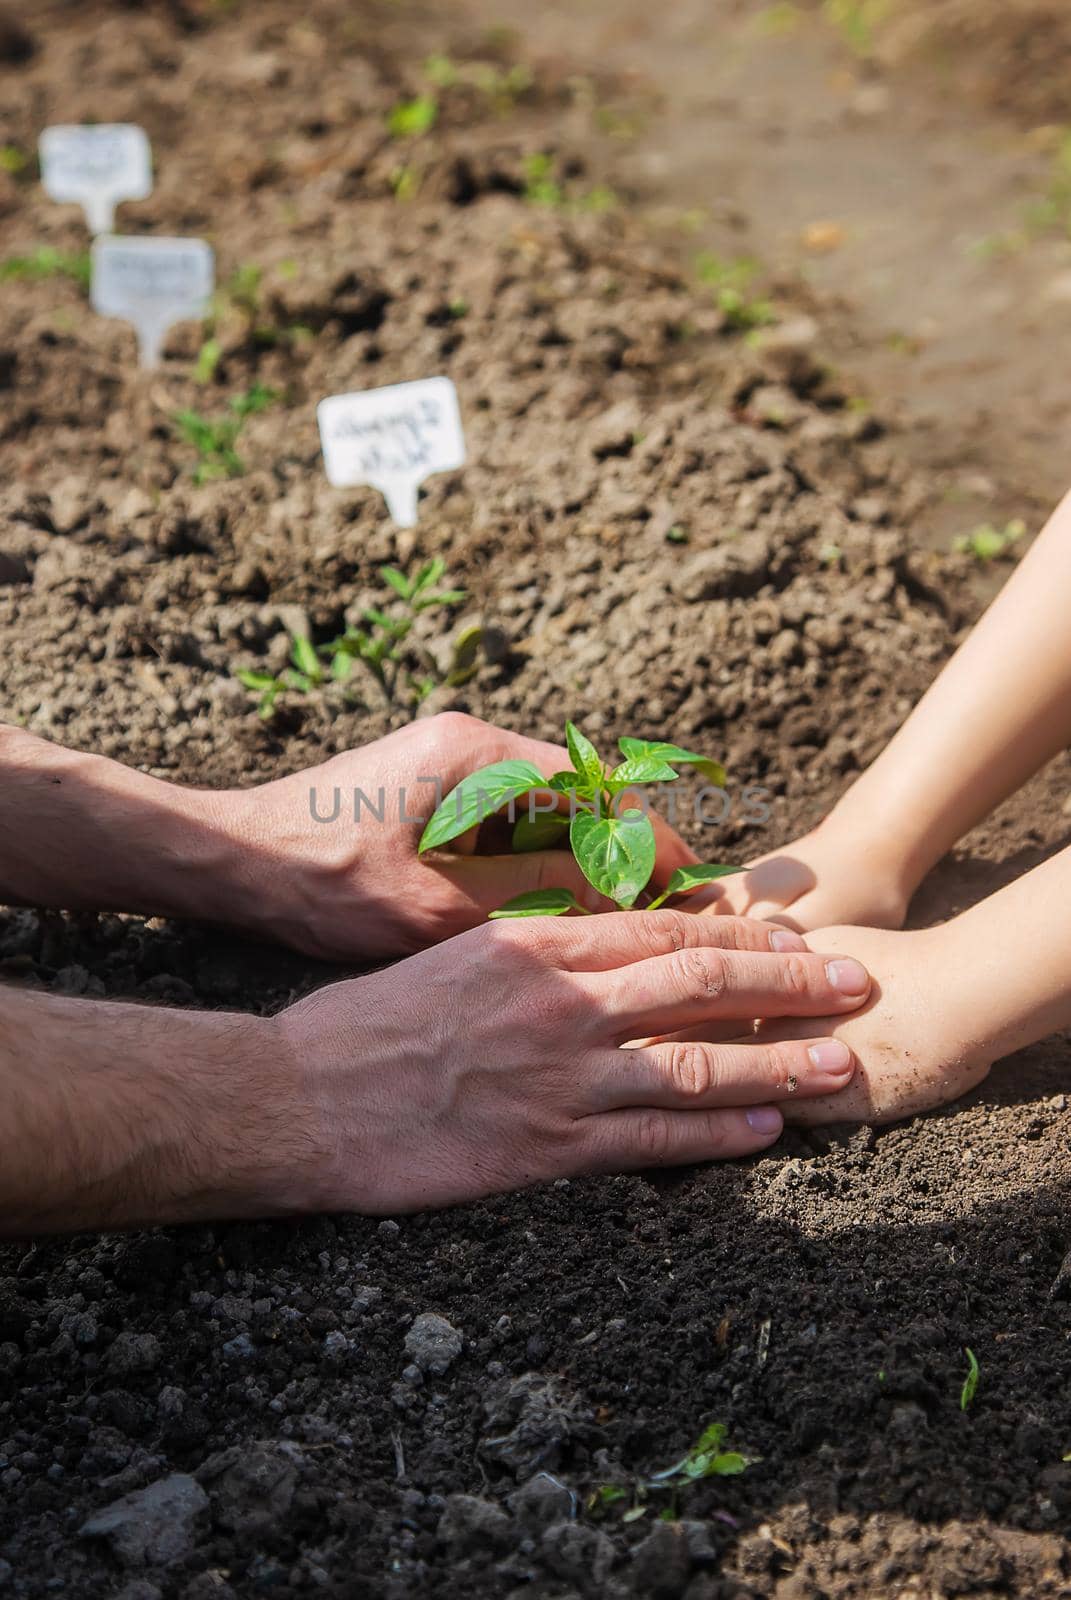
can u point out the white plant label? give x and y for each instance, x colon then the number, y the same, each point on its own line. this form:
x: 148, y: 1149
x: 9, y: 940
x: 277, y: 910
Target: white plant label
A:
x: 393, y: 439
x: 96, y: 167
x: 152, y: 283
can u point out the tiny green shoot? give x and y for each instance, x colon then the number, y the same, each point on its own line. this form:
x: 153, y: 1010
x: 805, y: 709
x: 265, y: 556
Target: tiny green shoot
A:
x: 411, y: 118
x: 380, y: 645
x: 612, y: 841
x: 708, y: 1458
x: 730, y: 282
x: 215, y: 438
x: 46, y: 262
x: 989, y: 543
x: 970, y: 1382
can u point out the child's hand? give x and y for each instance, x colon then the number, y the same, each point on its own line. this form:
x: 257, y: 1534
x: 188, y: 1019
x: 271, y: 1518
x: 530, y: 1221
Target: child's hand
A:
x: 824, y: 878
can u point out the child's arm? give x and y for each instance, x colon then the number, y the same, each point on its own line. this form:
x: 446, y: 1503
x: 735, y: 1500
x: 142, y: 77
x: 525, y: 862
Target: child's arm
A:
x: 1000, y: 709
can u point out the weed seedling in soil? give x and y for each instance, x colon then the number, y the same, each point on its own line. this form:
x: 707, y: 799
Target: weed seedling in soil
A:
x: 614, y: 849
x: 381, y: 645
x: 987, y: 543
x: 306, y: 673
x: 707, y: 1458
x: 410, y: 118
x: 215, y: 438
x: 970, y: 1382
x: 48, y: 263
x: 730, y: 282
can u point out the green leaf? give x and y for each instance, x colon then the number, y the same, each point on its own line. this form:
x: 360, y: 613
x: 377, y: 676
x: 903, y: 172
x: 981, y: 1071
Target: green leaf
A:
x: 428, y: 575
x: 398, y: 581
x: 568, y: 782
x: 410, y: 118
x: 441, y: 597
x: 297, y: 680
x: 584, y: 756
x: 642, y: 769
x: 382, y: 620
x: 538, y: 903
x: 255, y: 680
x: 726, y: 1465
x: 341, y: 665
x: 303, y: 654
x: 542, y: 831
x: 659, y: 750
x: 615, y: 854
x: 474, y: 799
x: 711, y: 1438
x: 692, y: 877
x: 970, y: 1382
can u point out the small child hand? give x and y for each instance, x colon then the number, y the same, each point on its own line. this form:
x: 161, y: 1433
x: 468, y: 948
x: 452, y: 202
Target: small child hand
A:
x: 824, y: 878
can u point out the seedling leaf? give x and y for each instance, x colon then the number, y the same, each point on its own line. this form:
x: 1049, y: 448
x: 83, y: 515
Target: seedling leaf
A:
x: 542, y: 831
x: 659, y: 750
x: 970, y: 1382
x: 465, y: 656
x: 615, y: 854
x: 692, y: 877
x: 539, y: 903
x: 584, y: 756
x: 398, y: 582
x: 641, y: 769
x: 478, y: 797
x: 303, y: 654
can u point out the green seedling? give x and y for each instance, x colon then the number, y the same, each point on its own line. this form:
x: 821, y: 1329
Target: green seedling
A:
x: 208, y: 359
x: 970, y: 1382
x: 614, y: 847
x: 411, y: 118
x: 405, y: 181
x: 306, y: 673
x: 48, y: 263
x: 707, y: 1458
x: 13, y: 160
x: 730, y: 283
x: 382, y: 645
x: 988, y: 543
x: 215, y: 438
x: 541, y: 187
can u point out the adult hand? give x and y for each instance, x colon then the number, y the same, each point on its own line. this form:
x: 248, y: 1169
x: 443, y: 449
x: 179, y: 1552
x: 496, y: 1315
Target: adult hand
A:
x: 343, y: 889
x: 496, y: 1060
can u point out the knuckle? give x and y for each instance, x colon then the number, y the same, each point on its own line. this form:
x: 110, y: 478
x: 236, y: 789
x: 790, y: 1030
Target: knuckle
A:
x: 692, y: 1070
x: 653, y: 1137
x: 796, y: 976
x: 658, y: 933
x: 453, y: 724
x: 701, y: 975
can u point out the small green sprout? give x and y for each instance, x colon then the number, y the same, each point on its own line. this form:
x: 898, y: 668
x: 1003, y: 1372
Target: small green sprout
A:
x: 541, y: 187
x: 411, y: 118
x: 381, y: 645
x: 405, y: 181
x: 13, y: 160
x: 208, y: 359
x: 730, y: 281
x: 306, y: 673
x: 46, y: 262
x: 989, y: 543
x: 215, y: 438
x: 970, y: 1382
x: 614, y: 847
x: 707, y: 1458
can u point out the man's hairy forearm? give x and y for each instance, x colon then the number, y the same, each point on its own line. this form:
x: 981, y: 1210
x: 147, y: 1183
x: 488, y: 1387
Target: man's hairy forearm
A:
x: 122, y: 1115
x: 80, y: 832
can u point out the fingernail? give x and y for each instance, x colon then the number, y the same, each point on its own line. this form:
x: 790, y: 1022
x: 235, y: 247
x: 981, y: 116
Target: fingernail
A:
x: 764, y: 1120
x: 784, y: 939
x: 848, y: 976
x: 831, y: 1056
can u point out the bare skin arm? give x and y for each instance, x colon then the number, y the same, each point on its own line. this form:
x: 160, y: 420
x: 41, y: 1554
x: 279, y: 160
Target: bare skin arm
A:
x: 490, y: 1062
x: 1000, y: 709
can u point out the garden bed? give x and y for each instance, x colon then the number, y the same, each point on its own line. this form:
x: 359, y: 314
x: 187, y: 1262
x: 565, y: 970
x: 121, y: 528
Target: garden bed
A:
x: 665, y: 525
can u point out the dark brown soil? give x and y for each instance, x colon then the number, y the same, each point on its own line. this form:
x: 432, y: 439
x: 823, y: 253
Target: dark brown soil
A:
x: 818, y: 1301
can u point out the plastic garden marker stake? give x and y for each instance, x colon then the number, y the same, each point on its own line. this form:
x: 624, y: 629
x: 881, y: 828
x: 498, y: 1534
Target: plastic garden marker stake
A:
x: 393, y: 439
x: 151, y: 283
x: 96, y: 166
